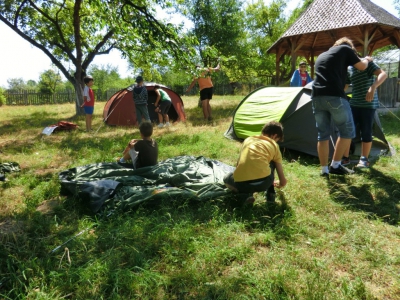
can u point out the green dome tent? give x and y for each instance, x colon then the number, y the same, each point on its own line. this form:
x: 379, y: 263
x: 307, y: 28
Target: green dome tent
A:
x: 292, y: 107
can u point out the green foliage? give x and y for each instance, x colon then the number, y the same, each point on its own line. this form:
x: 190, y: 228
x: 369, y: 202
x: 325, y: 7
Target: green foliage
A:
x: 218, y: 27
x: 16, y: 84
x: 49, y: 81
x: 266, y: 23
x: 31, y: 84
x: 2, y: 97
x: 105, y: 77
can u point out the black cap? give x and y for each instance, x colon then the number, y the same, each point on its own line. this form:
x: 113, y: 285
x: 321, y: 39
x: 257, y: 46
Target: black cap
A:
x: 139, y: 79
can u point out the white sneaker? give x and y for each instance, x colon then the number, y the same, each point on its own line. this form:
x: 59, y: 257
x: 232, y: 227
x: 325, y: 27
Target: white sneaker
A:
x: 167, y: 124
x: 161, y: 125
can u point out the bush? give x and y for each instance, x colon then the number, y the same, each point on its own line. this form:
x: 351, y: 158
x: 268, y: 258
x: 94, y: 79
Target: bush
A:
x: 2, y: 97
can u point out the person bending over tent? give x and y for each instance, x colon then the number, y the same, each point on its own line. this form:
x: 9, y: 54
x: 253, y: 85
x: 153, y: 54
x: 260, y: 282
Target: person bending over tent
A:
x: 144, y: 152
x: 258, y: 159
x: 162, y: 104
x: 206, y: 89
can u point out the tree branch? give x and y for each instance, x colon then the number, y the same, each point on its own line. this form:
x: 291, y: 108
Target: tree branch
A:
x: 89, y: 58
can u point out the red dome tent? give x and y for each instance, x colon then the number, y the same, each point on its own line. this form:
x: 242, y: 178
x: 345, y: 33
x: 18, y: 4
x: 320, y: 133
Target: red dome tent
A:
x: 120, y: 109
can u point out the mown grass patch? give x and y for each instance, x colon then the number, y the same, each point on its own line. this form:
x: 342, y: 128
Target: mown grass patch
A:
x: 336, y: 239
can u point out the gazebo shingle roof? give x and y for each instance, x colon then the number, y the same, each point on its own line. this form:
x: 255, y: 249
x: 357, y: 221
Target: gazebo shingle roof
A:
x: 333, y: 14
x: 368, y: 25
x: 324, y: 21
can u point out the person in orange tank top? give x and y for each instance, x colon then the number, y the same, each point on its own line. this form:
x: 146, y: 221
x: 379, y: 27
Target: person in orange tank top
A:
x: 206, y: 89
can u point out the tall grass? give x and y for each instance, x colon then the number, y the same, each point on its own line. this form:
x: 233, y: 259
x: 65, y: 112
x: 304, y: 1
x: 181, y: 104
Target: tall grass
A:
x: 336, y: 239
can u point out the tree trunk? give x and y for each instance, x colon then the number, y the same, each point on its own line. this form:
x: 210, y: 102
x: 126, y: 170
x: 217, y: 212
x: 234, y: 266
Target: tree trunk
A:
x: 79, y: 99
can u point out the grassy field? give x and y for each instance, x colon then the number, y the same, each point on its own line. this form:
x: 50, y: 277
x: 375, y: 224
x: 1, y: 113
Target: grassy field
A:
x: 336, y: 239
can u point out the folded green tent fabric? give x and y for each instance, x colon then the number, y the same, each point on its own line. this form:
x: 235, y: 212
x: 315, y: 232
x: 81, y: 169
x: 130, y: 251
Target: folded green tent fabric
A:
x: 182, y: 177
x: 8, y: 167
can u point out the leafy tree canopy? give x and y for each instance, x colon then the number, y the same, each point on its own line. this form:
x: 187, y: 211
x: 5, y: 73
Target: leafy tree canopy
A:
x: 73, y: 32
x: 16, y: 84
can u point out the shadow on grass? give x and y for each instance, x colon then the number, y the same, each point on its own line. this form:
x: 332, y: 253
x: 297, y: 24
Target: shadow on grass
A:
x: 164, y: 231
x: 299, y: 157
x: 34, y: 121
x: 379, y: 200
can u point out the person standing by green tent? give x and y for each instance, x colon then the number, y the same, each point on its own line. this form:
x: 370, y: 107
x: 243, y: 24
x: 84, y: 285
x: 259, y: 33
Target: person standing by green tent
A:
x: 330, y: 104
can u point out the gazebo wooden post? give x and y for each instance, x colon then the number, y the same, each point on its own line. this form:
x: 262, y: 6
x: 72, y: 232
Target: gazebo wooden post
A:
x: 366, y: 43
x: 312, y: 63
x: 277, y: 71
x: 293, y: 55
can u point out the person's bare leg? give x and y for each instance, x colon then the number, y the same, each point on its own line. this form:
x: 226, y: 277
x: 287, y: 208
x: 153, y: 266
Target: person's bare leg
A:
x: 347, y: 152
x: 166, y: 118
x: 341, y: 146
x: 204, y: 104
x: 160, y: 118
x: 127, y: 156
x: 88, y: 122
x: 323, y: 152
x: 209, y: 109
x: 366, y: 149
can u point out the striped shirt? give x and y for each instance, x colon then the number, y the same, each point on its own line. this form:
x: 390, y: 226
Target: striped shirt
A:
x: 362, y: 81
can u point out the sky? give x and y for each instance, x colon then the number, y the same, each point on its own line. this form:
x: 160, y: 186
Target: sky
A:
x: 18, y: 59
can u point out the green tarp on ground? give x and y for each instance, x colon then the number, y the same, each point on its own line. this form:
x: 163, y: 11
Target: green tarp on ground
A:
x: 120, y: 186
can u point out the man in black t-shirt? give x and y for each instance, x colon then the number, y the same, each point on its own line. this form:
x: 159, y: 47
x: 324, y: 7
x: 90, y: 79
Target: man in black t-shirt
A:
x: 144, y: 152
x: 329, y: 102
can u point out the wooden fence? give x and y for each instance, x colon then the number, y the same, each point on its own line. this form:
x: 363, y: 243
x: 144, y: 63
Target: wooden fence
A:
x: 31, y: 97
x: 389, y: 92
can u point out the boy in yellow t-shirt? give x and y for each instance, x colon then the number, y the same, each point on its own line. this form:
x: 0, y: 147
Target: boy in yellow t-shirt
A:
x: 258, y: 159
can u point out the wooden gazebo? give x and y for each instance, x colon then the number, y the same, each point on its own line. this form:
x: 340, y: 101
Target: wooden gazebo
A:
x: 368, y: 25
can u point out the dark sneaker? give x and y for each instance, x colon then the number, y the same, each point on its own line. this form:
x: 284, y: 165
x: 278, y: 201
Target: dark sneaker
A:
x: 345, y: 161
x: 341, y: 170
x: 324, y: 175
x: 270, y: 197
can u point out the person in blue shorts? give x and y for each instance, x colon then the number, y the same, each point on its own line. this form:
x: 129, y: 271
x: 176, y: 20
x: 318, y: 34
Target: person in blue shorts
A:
x: 88, y: 101
x: 329, y: 102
